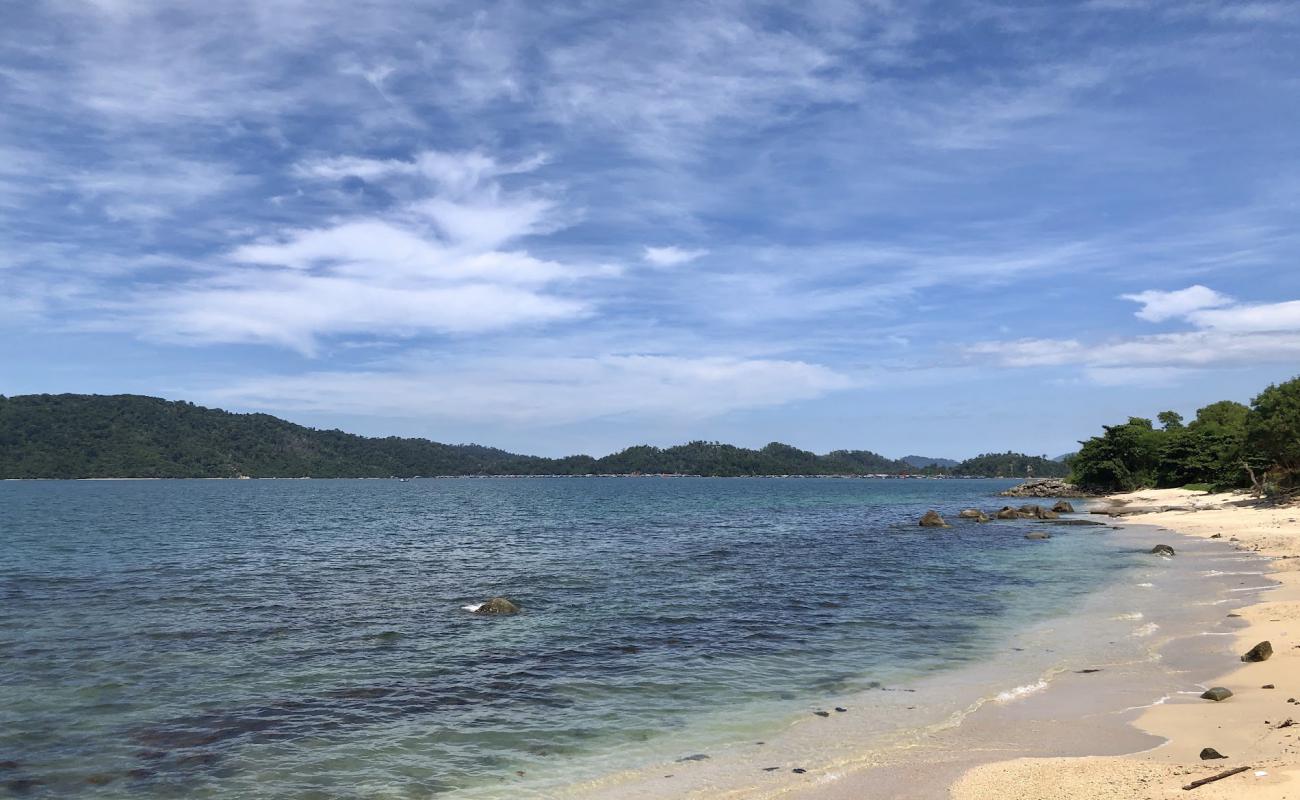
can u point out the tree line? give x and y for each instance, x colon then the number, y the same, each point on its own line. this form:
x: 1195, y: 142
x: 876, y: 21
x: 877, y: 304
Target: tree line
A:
x: 119, y: 436
x: 1227, y: 445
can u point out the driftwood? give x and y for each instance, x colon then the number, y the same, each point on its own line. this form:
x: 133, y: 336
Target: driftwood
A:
x: 1213, y: 778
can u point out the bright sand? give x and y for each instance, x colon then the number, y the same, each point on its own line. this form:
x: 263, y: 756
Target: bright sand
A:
x: 1107, y: 692
x: 1246, y: 727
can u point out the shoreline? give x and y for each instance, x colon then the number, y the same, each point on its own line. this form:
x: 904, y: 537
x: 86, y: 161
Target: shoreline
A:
x: 1252, y: 728
x: 1086, y: 699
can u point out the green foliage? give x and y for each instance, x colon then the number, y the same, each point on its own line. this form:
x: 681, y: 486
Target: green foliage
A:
x: 1273, y: 431
x: 91, y: 436
x: 1123, y: 458
x: 1170, y: 420
x: 1218, y: 449
x: 1012, y: 465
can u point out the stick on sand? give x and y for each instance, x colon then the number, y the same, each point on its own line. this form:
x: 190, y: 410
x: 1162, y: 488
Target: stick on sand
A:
x: 1213, y: 778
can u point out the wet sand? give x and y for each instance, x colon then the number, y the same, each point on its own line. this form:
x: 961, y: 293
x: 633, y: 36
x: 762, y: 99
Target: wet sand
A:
x: 1251, y: 727
x: 1122, y: 675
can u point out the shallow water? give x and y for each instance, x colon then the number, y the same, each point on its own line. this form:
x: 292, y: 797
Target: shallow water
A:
x: 307, y: 638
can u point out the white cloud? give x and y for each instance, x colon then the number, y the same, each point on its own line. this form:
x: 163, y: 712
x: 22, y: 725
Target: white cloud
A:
x: 549, y: 390
x: 671, y: 256
x: 1251, y: 318
x: 434, y: 264
x: 1158, y: 306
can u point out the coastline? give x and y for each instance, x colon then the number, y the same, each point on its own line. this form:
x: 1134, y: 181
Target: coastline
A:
x: 1108, y: 670
x: 1251, y: 727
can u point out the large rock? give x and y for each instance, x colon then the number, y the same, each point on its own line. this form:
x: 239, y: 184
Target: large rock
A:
x: 497, y: 605
x: 1033, y: 511
x: 973, y: 513
x: 931, y: 519
x: 1045, y: 487
x: 1162, y: 550
x: 1209, y: 753
x: 1260, y: 652
x: 1063, y: 507
x: 1007, y: 512
x: 1217, y: 694
x: 1038, y: 535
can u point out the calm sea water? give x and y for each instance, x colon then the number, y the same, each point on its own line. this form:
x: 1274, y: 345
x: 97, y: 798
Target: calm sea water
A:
x: 299, y: 639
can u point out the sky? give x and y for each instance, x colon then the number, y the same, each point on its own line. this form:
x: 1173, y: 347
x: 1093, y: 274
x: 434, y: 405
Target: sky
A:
x: 942, y: 228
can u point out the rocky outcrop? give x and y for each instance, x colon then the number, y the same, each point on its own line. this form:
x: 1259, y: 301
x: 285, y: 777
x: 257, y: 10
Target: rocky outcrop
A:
x: 931, y: 519
x: 1260, y: 652
x: 1162, y: 550
x: 973, y: 513
x: 1035, y: 512
x: 1045, y: 487
x: 497, y: 605
x: 1063, y: 507
x: 1007, y: 512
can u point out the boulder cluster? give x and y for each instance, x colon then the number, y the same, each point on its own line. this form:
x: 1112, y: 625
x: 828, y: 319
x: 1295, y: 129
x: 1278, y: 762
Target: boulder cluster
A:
x: 1045, y: 487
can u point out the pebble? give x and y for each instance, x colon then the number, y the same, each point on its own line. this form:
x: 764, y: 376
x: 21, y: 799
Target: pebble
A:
x: 822, y: 713
x: 841, y: 709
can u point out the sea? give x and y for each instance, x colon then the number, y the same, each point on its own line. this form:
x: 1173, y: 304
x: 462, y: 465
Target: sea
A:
x: 311, y: 638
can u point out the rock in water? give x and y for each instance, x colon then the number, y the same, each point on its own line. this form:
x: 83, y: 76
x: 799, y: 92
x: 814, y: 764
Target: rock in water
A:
x: 497, y: 605
x: 1216, y: 694
x: 931, y: 519
x: 1007, y: 512
x: 1038, y: 535
x: 975, y: 514
x: 1045, y: 487
x: 1260, y: 652
x: 1162, y: 550
x: 1209, y: 753
x: 1063, y: 507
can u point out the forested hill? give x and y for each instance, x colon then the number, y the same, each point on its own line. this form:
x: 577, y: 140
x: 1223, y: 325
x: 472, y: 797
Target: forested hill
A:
x: 118, y: 436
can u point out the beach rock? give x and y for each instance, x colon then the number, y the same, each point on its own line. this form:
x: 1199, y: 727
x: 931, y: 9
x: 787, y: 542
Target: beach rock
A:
x: 1045, y: 487
x: 1260, y: 652
x: 841, y: 709
x: 1076, y: 523
x: 497, y: 605
x: 798, y: 770
x: 931, y: 519
x: 1209, y: 753
x: 1063, y: 507
x: 1038, y: 535
x: 1268, y: 686
x: 1007, y: 512
x: 696, y: 757
x: 973, y: 513
x: 1162, y: 550
x: 1217, y: 694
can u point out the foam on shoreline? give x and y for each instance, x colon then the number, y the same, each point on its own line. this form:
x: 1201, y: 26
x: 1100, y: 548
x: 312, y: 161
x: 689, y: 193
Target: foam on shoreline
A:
x: 1250, y: 727
x: 1064, y: 686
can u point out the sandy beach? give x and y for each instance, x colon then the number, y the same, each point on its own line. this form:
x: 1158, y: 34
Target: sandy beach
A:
x: 1252, y: 728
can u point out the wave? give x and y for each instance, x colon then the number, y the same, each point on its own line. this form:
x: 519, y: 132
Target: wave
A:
x: 1021, y: 691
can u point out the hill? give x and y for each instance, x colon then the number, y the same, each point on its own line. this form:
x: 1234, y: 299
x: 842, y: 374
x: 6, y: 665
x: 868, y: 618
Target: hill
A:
x: 131, y: 436
x: 921, y: 462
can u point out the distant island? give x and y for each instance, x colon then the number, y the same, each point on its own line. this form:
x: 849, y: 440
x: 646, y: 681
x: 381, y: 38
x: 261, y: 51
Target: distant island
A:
x: 132, y: 436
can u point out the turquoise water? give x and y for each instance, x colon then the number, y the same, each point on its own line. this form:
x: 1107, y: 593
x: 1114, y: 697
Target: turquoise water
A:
x: 307, y: 639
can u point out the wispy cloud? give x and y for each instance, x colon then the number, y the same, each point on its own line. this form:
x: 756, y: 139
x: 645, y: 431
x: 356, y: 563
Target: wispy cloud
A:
x: 1227, y: 336
x: 549, y: 391
x: 671, y: 256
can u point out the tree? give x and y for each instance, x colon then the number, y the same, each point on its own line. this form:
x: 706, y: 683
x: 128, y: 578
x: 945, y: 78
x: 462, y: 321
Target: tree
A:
x: 1123, y: 458
x: 1273, y: 430
x: 1170, y: 420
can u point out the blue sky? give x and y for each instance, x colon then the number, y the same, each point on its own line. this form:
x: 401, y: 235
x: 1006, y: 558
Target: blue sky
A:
x: 942, y: 228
